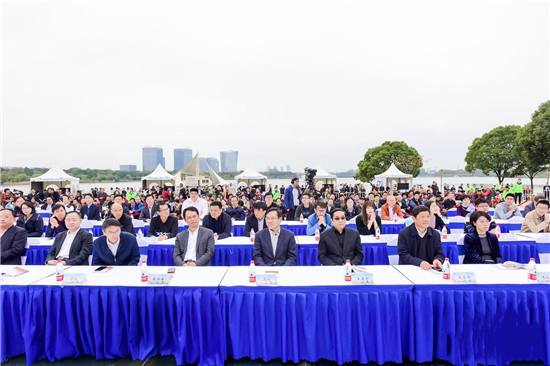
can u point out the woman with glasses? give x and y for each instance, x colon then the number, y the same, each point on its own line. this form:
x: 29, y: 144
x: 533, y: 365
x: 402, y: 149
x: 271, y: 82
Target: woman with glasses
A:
x: 481, y: 246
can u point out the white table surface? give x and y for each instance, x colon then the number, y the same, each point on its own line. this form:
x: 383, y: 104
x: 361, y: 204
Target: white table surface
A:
x: 35, y: 274
x: 313, y: 276
x: 131, y: 276
x: 486, y: 274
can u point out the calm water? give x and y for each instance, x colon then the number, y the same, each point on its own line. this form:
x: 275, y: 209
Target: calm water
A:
x: 425, y: 181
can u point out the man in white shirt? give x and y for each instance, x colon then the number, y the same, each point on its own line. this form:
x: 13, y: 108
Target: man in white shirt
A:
x: 195, y: 201
x: 73, y: 246
x: 194, y: 246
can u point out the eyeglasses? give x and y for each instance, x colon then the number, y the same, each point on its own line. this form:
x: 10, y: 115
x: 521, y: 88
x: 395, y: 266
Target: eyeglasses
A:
x: 339, y: 218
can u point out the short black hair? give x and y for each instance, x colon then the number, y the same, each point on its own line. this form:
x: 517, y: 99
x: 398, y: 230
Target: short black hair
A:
x: 306, y: 194
x: 543, y: 202
x: 320, y: 204
x: 480, y: 201
x: 161, y: 203
x: 110, y: 222
x: 260, y: 205
x: 268, y: 194
x: 149, y: 195
x: 119, y: 195
x: 57, y: 206
x: 293, y: 180
x: 510, y: 194
x: 88, y: 194
x: 216, y: 203
x: 464, y: 197
x: 194, y: 190
x: 419, y: 209
x: 74, y: 213
x: 477, y: 214
x: 192, y: 209
x: 275, y: 209
x: 336, y: 210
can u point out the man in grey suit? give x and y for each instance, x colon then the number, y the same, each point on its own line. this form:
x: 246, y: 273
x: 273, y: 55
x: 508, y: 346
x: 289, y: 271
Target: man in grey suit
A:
x: 340, y: 243
x: 195, y: 246
x: 73, y: 246
x: 149, y: 210
x: 275, y: 246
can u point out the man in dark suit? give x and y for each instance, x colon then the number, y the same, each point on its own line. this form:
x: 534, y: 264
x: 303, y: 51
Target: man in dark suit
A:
x: 90, y: 210
x: 149, y: 210
x: 194, y: 246
x: 47, y: 206
x: 340, y: 243
x: 275, y: 246
x: 72, y: 247
x: 256, y: 221
x: 115, y: 248
x: 13, y: 238
x: 218, y: 221
x: 419, y: 244
x: 56, y: 223
x: 125, y: 220
x: 120, y: 200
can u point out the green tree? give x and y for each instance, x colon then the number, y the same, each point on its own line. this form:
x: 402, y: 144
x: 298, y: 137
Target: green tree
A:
x: 495, y: 151
x: 378, y: 159
x: 533, y: 142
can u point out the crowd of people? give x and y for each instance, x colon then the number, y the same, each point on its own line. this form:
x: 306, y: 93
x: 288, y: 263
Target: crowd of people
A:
x: 210, y: 211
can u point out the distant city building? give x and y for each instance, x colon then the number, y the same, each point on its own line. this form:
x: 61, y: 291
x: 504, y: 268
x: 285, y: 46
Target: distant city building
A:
x: 288, y: 168
x: 282, y: 169
x: 213, y: 162
x: 152, y: 157
x: 268, y: 168
x: 229, y: 160
x: 182, y: 157
x: 128, y: 168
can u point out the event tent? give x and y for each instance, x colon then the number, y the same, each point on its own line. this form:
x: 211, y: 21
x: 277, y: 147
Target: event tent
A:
x: 159, y: 176
x: 324, y: 177
x: 249, y: 177
x: 56, y: 177
x: 393, y: 176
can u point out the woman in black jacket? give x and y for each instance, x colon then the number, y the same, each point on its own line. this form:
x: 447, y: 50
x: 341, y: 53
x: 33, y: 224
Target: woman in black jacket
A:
x: 368, y: 221
x: 481, y: 246
x: 436, y: 221
x: 31, y: 221
x: 351, y: 209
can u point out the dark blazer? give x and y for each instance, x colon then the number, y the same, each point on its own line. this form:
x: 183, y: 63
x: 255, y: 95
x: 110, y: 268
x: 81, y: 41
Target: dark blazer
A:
x: 236, y: 213
x: 13, y: 245
x: 95, y: 212
x: 127, y: 224
x: 363, y: 228
x: 225, y: 225
x: 407, y: 246
x: 205, y: 247
x: 439, y: 223
x: 80, y: 248
x: 34, y: 226
x: 170, y: 227
x: 474, y: 251
x: 356, y: 211
x: 251, y: 223
x: 51, y: 232
x: 145, y: 215
x: 286, y: 254
x: 330, y: 252
x: 127, y: 253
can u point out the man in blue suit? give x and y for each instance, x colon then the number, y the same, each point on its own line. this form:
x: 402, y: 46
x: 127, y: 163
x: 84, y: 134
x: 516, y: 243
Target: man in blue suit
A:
x: 275, y: 246
x: 320, y: 220
x: 115, y: 248
x: 292, y: 198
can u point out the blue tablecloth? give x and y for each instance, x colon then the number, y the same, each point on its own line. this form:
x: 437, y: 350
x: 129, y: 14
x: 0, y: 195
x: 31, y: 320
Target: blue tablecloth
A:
x: 374, y: 253
x: 504, y: 228
x: 519, y: 251
x: 482, y: 324
x: 36, y: 254
x: 13, y: 308
x: 224, y: 255
x: 451, y: 251
x: 109, y: 322
x: 338, y: 323
x: 238, y: 230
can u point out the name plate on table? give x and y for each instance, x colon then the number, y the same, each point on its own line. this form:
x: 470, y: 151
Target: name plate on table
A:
x: 151, y: 239
x: 267, y: 279
x: 464, y: 277
x: 159, y: 279
x: 362, y: 278
x: 543, y: 277
x: 33, y: 241
x: 74, y: 278
x: 508, y: 237
x: 452, y: 237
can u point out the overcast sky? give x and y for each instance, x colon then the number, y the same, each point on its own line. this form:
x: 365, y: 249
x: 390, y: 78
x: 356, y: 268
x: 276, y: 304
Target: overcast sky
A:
x: 88, y: 84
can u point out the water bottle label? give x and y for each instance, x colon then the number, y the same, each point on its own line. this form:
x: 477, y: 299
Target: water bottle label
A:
x: 252, y: 279
x: 252, y: 240
x: 532, y: 276
x: 144, y: 278
x: 446, y: 276
x: 444, y: 236
x: 347, y: 278
x: 59, y: 277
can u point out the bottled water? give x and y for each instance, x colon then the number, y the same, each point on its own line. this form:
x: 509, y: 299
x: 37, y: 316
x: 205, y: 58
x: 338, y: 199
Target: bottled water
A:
x: 140, y: 234
x: 317, y: 235
x: 252, y: 273
x: 532, y: 271
x: 444, y: 232
x: 377, y: 233
x: 144, y: 272
x: 252, y: 235
x: 59, y: 272
x: 347, y: 271
x: 446, y: 269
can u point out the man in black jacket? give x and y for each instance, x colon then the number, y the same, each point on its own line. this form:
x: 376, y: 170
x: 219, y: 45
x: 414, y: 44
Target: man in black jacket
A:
x: 340, y: 243
x: 218, y: 221
x: 257, y: 220
x: 90, y: 210
x: 72, y: 247
x: 13, y: 239
x: 126, y: 225
x: 164, y: 225
x: 419, y: 244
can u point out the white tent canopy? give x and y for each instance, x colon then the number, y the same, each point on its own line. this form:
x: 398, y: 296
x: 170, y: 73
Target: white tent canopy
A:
x: 393, y: 176
x: 55, y: 176
x: 250, y: 176
x: 324, y: 177
x: 158, y: 176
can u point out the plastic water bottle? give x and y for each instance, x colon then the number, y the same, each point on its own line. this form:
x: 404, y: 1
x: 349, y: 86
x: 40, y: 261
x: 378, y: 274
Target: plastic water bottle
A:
x: 252, y: 235
x: 377, y: 233
x: 144, y: 272
x: 395, y: 217
x: 444, y: 232
x: 347, y: 271
x: 140, y: 234
x: 317, y: 235
x: 59, y: 272
x: 91, y: 232
x: 446, y: 269
x: 301, y: 218
x: 252, y: 273
x: 497, y: 231
x: 85, y: 217
x: 532, y: 271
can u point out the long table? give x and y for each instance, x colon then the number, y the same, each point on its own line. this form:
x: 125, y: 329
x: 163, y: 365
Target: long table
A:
x: 206, y: 314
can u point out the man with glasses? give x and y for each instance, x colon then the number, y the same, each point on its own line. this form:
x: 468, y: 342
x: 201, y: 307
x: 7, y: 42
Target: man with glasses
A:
x: 483, y: 206
x: 340, y: 243
x: 275, y: 246
x: 164, y: 225
x: 72, y: 247
x: 115, y: 248
x: 195, y: 201
x: 320, y: 220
